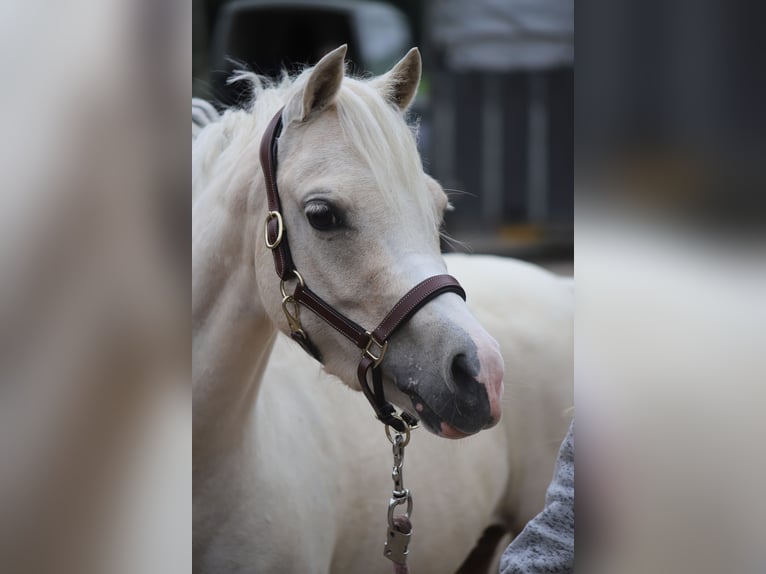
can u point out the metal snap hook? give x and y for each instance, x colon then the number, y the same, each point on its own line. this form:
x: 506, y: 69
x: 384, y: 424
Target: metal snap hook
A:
x: 294, y: 318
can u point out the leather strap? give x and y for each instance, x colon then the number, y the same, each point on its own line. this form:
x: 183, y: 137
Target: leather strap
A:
x: 400, y: 313
x: 411, y: 303
x: 404, y: 309
x: 275, y: 230
x: 345, y: 326
x: 373, y: 344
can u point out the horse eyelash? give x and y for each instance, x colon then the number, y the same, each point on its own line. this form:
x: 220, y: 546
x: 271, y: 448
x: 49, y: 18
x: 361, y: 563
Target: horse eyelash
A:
x: 318, y: 206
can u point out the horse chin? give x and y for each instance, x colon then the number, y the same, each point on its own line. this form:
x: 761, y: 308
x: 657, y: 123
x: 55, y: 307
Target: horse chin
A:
x: 450, y: 432
x: 437, y: 425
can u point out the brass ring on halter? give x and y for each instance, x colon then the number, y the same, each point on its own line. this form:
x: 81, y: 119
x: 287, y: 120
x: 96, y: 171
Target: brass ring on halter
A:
x: 282, y: 283
x: 406, y: 431
x: 280, y: 229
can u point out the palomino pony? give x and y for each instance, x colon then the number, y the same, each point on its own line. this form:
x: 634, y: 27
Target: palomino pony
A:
x: 276, y: 492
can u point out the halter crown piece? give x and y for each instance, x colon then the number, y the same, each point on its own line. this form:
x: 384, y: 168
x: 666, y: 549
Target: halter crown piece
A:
x: 372, y: 343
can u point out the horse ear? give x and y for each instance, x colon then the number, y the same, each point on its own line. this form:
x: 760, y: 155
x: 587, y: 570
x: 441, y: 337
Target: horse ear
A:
x: 319, y: 89
x: 400, y: 84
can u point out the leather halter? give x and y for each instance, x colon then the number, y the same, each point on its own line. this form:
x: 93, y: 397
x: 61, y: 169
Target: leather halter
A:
x: 373, y: 344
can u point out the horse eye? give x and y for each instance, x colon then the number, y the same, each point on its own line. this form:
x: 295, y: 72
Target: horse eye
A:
x: 321, y: 216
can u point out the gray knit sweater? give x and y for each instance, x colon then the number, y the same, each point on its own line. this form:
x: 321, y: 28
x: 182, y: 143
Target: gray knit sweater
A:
x: 546, y: 544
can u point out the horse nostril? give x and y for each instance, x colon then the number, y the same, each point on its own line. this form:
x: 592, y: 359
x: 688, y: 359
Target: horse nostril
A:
x: 462, y: 373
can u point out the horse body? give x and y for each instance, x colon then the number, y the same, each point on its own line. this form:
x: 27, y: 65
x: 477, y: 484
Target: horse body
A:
x: 291, y: 472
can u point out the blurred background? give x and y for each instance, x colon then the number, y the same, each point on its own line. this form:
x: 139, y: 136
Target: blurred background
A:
x: 495, y: 105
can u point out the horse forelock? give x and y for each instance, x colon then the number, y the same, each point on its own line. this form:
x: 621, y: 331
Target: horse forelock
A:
x: 387, y: 144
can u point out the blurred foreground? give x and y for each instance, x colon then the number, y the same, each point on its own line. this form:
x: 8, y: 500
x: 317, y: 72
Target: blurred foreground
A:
x: 95, y: 433
x: 669, y: 343
x: 671, y: 276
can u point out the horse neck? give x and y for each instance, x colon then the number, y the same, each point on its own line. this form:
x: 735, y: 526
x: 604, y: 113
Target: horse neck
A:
x: 232, y: 334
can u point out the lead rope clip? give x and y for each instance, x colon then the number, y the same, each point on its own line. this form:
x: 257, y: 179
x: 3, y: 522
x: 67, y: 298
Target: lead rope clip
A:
x: 399, y: 530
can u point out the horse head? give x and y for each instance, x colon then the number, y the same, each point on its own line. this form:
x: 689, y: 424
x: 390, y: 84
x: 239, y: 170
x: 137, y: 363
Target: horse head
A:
x: 363, y: 219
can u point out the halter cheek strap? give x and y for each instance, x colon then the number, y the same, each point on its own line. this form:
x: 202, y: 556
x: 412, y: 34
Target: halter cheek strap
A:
x: 373, y: 344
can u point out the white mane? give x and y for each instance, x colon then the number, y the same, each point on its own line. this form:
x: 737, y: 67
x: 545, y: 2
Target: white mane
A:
x: 225, y: 152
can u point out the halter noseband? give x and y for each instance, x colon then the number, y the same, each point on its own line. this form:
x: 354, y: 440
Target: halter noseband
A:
x: 373, y: 344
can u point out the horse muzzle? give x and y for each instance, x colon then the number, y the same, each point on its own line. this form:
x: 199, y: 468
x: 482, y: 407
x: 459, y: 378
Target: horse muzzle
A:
x: 465, y: 399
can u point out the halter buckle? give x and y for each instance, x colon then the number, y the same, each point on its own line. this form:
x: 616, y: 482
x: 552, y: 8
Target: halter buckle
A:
x: 376, y: 359
x: 280, y: 229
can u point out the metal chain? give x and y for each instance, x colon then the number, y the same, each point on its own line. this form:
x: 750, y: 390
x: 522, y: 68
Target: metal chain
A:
x: 399, y: 526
